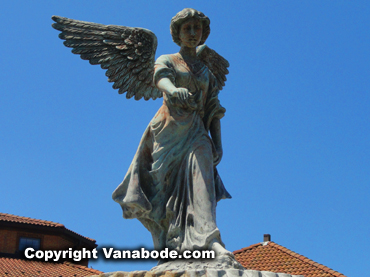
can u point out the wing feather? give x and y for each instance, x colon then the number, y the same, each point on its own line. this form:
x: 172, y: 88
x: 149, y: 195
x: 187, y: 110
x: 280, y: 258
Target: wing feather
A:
x: 78, y: 43
x: 126, y: 53
x: 215, y: 62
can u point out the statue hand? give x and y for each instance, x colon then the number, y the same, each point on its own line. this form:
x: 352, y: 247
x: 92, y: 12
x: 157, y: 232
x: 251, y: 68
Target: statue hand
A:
x: 180, y: 97
x: 181, y: 93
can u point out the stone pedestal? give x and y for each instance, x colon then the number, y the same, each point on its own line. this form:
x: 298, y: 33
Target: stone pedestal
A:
x: 198, y: 273
x: 222, y: 266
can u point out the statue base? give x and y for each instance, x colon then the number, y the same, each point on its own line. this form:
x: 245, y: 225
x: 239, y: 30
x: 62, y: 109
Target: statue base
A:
x: 224, y: 266
x: 198, y: 273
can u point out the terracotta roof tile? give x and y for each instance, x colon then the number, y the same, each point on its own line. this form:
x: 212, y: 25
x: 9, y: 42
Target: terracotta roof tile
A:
x: 18, y: 267
x: 273, y: 257
x: 26, y: 220
x: 246, y: 248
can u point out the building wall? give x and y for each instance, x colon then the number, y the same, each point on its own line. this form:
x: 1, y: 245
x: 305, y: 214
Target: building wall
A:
x: 56, y: 243
x: 9, y: 241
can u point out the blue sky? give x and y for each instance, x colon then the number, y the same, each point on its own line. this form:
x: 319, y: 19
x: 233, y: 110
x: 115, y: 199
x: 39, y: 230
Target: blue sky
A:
x: 296, y: 134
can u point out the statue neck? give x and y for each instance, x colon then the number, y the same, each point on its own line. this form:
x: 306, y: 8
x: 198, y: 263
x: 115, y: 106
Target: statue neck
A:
x: 188, y: 53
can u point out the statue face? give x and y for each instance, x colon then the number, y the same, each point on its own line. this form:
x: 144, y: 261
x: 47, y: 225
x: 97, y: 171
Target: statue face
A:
x: 191, y: 33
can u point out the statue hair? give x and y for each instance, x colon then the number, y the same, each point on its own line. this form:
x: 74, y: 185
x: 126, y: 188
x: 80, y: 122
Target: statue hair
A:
x: 183, y: 16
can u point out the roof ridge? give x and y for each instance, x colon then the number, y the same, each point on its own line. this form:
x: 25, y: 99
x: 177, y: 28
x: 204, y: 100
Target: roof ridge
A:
x: 305, y: 259
x: 8, y: 216
x: 34, y: 221
x: 246, y: 248
x: 93, y: 240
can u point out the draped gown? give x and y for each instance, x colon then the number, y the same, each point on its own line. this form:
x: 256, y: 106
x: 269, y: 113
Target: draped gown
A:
x: 172, y: 185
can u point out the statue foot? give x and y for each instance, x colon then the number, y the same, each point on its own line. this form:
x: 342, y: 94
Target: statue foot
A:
x: 220, y: 250
x: 225, y: 257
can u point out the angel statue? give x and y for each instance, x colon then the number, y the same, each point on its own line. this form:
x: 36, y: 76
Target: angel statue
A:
x: 172, y: 185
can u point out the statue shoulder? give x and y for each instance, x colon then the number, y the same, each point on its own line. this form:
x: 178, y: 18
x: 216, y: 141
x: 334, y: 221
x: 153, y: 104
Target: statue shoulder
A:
x: 166, y: 59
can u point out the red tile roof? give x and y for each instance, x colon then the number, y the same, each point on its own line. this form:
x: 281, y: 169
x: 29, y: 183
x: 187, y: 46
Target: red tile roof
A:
x: 270, y: 256
x: 18, y: 267
x: 26, y: 220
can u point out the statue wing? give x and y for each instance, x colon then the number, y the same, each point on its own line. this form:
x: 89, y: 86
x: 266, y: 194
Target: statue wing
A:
x: 215, y: 62
x: 126, y: 53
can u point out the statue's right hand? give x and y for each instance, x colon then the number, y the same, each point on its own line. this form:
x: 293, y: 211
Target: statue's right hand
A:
x: 181, y: 97
x: 181, y: 93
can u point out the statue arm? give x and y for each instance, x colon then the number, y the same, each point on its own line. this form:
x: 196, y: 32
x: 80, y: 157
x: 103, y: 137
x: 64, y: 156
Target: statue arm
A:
x: 165, y: 85
x: 169, y: 88
x: 164, y: 79
x: 215, y: 130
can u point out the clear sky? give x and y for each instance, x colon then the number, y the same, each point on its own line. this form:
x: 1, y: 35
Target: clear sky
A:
x: 296, y: 134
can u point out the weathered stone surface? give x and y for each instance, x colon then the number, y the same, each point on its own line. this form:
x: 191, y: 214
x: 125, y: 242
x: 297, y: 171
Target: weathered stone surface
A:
x: 221, y: 262
x: 225, y: 266
x: 198, y: 273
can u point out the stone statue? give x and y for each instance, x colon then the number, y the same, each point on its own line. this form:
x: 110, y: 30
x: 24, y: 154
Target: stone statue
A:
x: 172, y: 185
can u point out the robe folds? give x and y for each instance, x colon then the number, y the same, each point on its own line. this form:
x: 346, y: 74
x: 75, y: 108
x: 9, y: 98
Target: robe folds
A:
x: 172, y: 185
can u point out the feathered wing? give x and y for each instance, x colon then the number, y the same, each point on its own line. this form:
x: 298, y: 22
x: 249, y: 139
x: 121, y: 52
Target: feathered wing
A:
x: 126, y: 53
x: 215, y: 62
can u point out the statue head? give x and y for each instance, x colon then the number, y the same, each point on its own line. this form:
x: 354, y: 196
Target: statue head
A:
x: 185, y: 15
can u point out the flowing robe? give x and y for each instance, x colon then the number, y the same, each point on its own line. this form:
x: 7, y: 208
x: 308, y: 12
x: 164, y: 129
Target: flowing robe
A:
x: 172, y: 185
